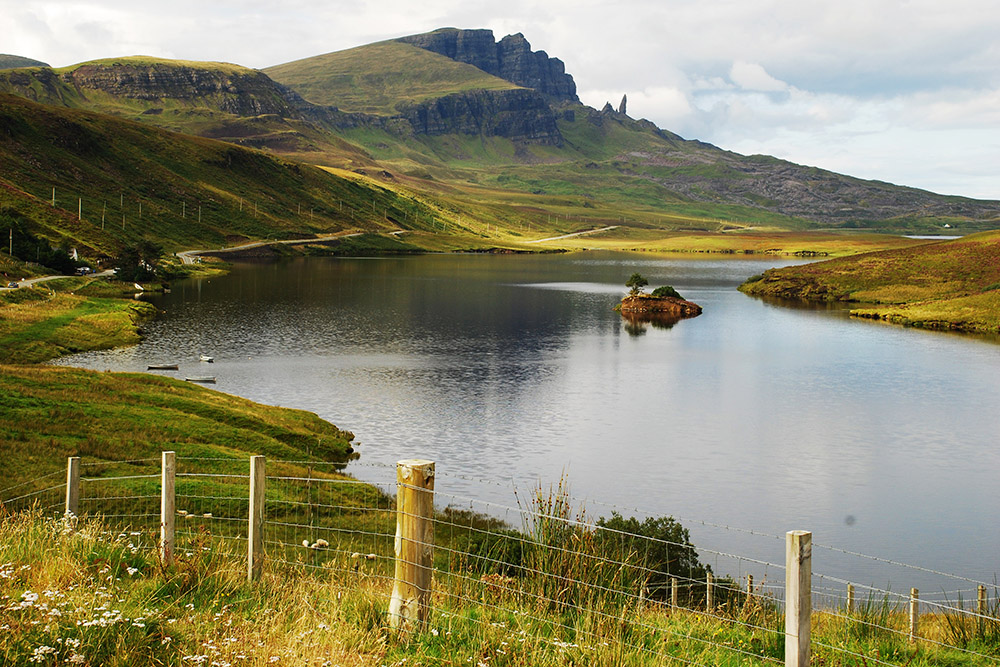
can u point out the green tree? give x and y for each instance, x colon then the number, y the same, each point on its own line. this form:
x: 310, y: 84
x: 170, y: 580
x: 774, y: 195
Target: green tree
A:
x: 635, y: 283
x: 138, y: 262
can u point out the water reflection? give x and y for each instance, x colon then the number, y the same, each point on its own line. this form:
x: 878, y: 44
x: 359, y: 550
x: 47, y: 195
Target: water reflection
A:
x: 636, y: 323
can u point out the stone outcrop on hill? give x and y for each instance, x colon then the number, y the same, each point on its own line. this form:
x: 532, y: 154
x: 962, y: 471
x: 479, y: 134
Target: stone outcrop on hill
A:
x: 239, y: 91
x: 520, y: 115
x: 511, y: 59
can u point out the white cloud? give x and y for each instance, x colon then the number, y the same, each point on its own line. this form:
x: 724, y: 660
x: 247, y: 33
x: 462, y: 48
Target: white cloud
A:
x: 751, y: 76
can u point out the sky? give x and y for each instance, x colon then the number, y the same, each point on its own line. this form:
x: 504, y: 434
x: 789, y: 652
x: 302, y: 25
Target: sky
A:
x: 903, y: 91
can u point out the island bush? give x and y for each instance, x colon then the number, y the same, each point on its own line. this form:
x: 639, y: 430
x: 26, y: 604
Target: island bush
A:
x: 666, y: 290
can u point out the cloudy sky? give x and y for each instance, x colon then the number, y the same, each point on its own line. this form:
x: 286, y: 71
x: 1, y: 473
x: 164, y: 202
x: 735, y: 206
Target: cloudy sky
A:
x: 905, y: 91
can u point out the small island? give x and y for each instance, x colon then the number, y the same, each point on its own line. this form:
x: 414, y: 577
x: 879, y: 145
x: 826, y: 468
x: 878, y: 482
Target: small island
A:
x: 663, y: 302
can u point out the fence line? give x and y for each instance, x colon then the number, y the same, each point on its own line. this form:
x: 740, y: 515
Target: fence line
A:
x: 553, y: 560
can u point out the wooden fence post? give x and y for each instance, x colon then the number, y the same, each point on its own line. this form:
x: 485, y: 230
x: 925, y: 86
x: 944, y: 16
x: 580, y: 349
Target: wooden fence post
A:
x: 749, y: 587
x: 168, y: 506
x: 981, y: 600
x: 673, y: 592
x: 411, y: 591
x: 709, y: 593
x: 914, y: 613
x: 255, y: 518
x: 798, y: 597
x: 73, y: 486
x: 850, y: 598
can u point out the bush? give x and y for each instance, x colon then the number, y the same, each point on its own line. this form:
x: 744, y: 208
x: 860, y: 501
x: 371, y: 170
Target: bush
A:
x: 666, y: 290
x: 662, y: 547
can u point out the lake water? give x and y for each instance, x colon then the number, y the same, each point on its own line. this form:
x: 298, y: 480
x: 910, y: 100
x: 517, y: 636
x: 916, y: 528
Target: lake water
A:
x: 515, y: 369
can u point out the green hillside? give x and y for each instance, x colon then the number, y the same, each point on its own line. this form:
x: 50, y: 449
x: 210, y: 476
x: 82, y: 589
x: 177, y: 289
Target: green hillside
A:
x: 375, y: 78
x: 944, y: 285
x: 132, y: 182
x: 8, y: 61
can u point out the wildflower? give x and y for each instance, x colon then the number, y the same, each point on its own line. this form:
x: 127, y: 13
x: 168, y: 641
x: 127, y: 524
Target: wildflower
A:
x: 39, y: 654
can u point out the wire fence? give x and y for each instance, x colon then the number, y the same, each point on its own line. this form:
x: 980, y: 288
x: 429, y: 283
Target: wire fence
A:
x: 536, y: 576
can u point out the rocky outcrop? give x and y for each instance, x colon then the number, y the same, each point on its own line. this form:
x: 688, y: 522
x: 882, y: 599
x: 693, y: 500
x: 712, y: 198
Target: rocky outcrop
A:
x: 665, y: 305
x: 239, y: 91
x: 623, y: 105
x: 511, y: 59
x: 520, y: 115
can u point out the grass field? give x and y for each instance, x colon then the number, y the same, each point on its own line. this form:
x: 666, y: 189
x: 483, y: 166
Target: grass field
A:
x: 946, y: 284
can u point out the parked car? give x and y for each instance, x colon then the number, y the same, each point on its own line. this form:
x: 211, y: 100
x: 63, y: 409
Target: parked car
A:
x: 12, y: 285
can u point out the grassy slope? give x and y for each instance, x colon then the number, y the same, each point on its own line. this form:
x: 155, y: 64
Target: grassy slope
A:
x: 375, y: 78
x: 191, y: 189
x: 948, y: 284
x: 50, y: 413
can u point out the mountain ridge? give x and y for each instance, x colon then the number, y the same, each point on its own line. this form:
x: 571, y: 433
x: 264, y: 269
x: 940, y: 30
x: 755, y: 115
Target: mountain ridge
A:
x: 467, y: 126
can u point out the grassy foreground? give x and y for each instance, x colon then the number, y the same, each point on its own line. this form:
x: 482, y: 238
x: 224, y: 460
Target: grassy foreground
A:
x: 942, y: 285
x: 96, y: 595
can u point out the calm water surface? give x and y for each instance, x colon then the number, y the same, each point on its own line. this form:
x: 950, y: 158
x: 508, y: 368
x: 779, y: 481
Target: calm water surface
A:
x: 878, y: 439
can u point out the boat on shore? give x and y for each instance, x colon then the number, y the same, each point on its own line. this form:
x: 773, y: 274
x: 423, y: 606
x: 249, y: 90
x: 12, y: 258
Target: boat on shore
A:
x: 206, y: 358
x: 204, y: 379
x: 161, y: 367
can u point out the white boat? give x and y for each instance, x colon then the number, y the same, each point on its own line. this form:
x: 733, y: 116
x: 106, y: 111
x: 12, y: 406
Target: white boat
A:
x: 206, y: 379
x: 161, y: 367
x: 206, y: 358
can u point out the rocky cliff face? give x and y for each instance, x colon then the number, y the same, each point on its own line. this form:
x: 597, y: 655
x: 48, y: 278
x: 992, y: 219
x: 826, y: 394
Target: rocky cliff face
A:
x: 511, y: 59
x: 520, y: 115
x: 241, y: 92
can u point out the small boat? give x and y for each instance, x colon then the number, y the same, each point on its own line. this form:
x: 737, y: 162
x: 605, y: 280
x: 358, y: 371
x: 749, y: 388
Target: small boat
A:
x: 161, y: 367
x: 206, y: 379
x: 206, y: 358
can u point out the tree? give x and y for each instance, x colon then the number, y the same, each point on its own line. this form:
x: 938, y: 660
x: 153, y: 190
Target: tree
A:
x: 137, y: 263
x: 635, y: 283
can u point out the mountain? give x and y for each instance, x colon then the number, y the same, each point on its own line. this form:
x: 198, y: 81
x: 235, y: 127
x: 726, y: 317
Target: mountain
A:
x: 458, y: 114
x: 8, y: 61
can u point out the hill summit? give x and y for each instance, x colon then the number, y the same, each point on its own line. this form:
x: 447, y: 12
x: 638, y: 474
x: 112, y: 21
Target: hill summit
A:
x: 511, y: 59
x: 8, y: 61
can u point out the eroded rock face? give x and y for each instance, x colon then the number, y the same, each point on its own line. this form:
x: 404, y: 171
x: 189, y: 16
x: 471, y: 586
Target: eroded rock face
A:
x: 667, y: 305
x: 520, y: 114
x: 511, y: 59
x: 241, y: 92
